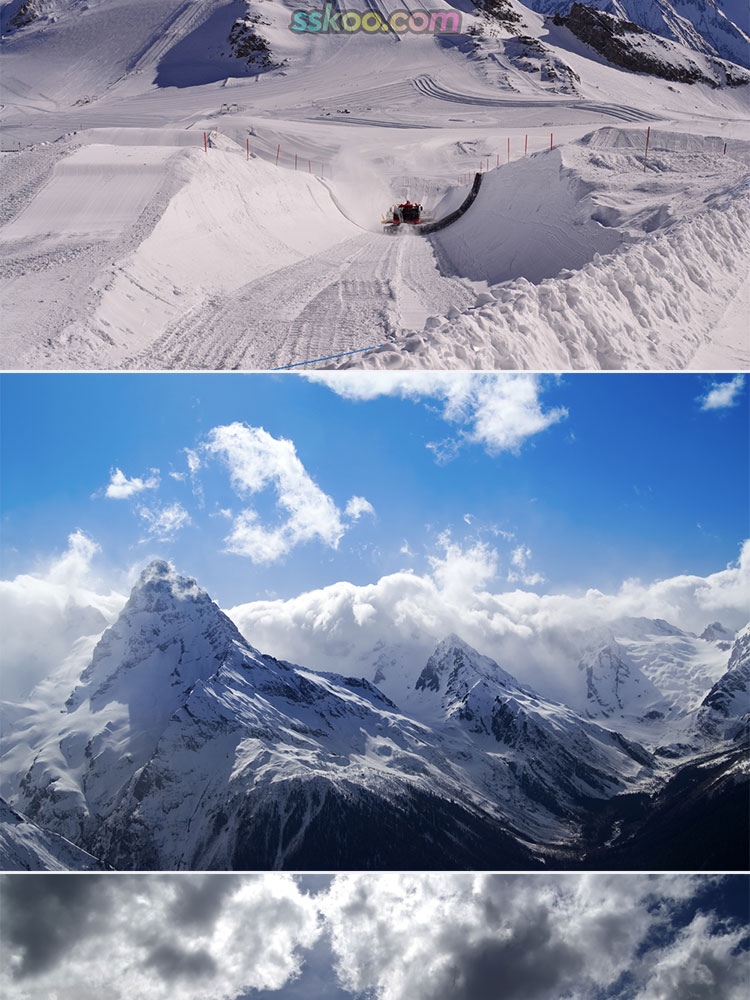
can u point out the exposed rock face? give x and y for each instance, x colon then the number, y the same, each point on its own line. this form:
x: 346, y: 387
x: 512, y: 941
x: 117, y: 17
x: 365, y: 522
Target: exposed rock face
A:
x: 627, y: 45
x: 713, y: 27
x: 27, y: 13
x: 725, y: 711
x: 499, y: 12
x: 247, y: 43
x: 533, y: 56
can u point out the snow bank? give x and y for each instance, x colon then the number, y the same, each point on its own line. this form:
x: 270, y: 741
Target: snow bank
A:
x: 651, y: 306
x: 590, y: 262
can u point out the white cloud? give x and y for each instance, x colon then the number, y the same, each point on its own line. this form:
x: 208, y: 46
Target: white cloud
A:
x: 526, y: 632
x: 193, y: 460
x: 723, y: 394
x: 500, y: 411
x: 163, y: 523
x: 120, y: 487
x: 44, y: 613
x: 357, y: 506
x: 517, y: 574
x: 703, y: 963
x: 257, y: 461
x: 455, y: 937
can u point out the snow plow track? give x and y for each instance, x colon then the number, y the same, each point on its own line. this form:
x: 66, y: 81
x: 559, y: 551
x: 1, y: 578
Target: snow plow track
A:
x: 430, y: 88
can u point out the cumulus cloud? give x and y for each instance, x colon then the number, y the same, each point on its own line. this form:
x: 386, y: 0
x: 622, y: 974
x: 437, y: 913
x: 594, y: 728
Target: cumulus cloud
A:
x: 341, y: 627
x: 500, y: 411
x: 457, y: 937
x: 258, y: 461
x: 165, y: 521
x: 423, y: 936
x: 121, y: 488
x: 44, y: 613
x: 154, y: 937
x: 722, y: 395
x: 706, y: 961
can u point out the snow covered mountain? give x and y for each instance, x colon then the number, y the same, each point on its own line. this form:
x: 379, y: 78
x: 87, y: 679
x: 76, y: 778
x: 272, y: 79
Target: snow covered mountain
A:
x: 725, y: 711
x: 24, y: 846
x: 624, y: 43
x: 702, y: 25
x: 183, y: 747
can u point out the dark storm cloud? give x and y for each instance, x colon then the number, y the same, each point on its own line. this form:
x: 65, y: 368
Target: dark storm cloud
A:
x: 172, y: 962
x: 530, y: 963
x: 45, y: 915
x: 200, y: 899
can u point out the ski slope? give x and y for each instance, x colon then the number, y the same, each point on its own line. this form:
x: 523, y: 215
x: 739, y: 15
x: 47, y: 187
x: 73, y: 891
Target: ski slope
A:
x: 130, y: 241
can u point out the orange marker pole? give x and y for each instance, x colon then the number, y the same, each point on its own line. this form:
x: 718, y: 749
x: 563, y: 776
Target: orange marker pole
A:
x: 550, y: 140
x: 205, y: 142
x: 278, y: 150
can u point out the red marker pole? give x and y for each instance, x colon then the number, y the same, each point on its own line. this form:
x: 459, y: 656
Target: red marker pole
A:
x: 205, y: 142
x: 498, y: 159
x: 278, y: 150
x: 550, y: 140
x: 526, y: 146
x: 645, y: 155
x: 508, y: 149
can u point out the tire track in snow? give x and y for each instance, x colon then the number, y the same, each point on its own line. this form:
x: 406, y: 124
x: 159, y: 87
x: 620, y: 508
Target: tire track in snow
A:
x: 368, y: 289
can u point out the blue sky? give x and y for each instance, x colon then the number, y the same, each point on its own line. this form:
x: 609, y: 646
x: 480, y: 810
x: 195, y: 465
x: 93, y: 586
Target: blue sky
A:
x: 608, y: 476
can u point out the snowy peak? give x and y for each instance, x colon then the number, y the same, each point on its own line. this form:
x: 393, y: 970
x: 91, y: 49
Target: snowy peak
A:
x: 715, y: 632
x: 614, y: 684
x: 169, y: 635
x: 455, y: 667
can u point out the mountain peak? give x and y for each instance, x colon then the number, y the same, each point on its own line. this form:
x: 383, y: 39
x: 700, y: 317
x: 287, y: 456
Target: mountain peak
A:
x: 160, y: 585
x: 453, y: 661
x: 169, y: 634
x: 716, y: 632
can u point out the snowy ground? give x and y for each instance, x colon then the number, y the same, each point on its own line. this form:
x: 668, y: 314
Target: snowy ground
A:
x: 125, y: 245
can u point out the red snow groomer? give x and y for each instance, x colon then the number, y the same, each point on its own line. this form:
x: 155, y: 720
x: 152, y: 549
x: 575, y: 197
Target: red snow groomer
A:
x: 407, y: 212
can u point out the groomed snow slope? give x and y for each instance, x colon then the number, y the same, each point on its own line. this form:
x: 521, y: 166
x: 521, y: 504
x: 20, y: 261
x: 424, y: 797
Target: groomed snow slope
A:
x: 125, y: 245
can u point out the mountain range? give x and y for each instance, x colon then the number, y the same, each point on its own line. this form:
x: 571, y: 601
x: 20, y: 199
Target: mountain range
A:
x: 181, y: 746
